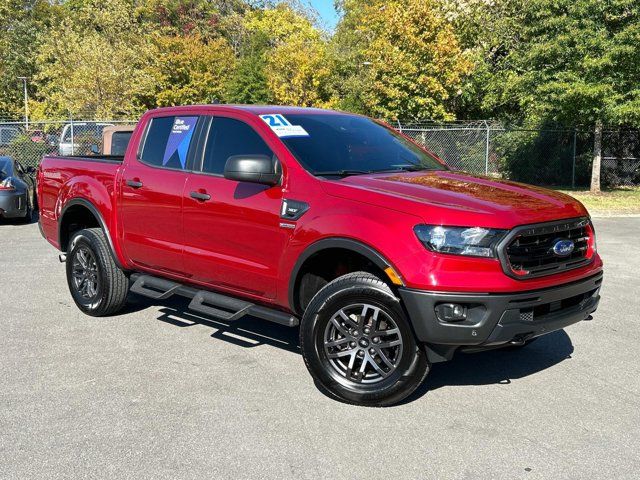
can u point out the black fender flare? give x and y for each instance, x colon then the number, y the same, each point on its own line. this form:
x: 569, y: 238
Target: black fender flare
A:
x: 366, y: 251
x: 96, y: 213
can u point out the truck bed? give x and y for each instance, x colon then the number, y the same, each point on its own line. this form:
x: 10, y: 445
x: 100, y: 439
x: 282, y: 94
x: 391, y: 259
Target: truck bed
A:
x: 63, y: 177
x: 89, y: 158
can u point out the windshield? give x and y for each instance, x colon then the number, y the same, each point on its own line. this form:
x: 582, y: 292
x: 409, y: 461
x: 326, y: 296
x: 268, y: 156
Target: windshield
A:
x: 348, y: 144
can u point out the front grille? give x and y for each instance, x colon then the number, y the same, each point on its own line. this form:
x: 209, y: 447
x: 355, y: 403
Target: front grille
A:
x: 530, y: 250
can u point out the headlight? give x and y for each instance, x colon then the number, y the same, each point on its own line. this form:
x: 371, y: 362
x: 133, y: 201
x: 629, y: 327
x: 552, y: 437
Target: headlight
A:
x: 472, y: 241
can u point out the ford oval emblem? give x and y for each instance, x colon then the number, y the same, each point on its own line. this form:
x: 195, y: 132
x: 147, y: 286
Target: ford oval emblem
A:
x: 562, y: 248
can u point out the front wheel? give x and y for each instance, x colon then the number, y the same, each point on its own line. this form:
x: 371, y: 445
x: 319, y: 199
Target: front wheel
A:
x: 97, y: 285
x: 358, y: 345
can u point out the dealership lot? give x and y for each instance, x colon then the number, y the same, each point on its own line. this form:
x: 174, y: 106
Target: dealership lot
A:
x: 159, y: 392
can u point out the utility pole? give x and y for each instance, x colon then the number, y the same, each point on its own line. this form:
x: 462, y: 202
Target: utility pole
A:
x: 597, y: 158
x: 486, y: 150
x: 573, y: 162
x: 26, y: 103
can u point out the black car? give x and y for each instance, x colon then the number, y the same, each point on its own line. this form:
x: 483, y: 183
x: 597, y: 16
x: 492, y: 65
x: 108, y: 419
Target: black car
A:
x: 17, y: 189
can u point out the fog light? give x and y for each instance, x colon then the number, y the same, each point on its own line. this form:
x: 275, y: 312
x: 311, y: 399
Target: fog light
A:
x: 451, y: 312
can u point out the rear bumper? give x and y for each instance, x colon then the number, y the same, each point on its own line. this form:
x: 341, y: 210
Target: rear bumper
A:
x: 497, y: 319
x: 13, y: 204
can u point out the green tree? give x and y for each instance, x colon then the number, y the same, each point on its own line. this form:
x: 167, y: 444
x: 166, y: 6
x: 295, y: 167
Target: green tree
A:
x: 401, y: 58
x: 249, y: 81
x: 574, y: 62
x: 297, y: 61
x: 93, y: 63
x: 188, y: 70
x: 20, y: 22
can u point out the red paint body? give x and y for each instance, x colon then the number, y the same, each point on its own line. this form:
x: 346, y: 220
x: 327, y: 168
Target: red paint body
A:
x: 234, y: 243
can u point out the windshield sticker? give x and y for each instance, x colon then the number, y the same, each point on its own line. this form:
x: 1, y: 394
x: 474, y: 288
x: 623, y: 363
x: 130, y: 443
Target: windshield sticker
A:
x: 179, y: 139
x: 282, y: 128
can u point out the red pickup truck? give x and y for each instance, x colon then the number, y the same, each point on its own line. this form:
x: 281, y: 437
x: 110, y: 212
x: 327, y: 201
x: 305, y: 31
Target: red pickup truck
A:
x: 387, y: 260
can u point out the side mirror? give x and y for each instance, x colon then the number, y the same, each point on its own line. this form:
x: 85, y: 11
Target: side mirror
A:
x: 31, y: 170
x: 95, y: 149
x: 253, y: 168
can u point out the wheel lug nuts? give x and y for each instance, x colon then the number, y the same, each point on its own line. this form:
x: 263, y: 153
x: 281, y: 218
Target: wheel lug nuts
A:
x: 366, y: 330
x: 361, y: 353
x: 356, y: 333
x: 352, y: 344
x: 372, y: 351
x: 376, y: 340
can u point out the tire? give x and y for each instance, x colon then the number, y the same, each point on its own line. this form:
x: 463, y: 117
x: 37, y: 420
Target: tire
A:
x: 98, y: 287
x: 29, y: 215
x: 335, y: 351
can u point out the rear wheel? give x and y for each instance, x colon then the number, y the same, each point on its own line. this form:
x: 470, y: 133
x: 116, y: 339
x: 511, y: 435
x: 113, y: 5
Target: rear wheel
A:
x: 97, y: 285
x: 358, y: 344
x: 29, y: 213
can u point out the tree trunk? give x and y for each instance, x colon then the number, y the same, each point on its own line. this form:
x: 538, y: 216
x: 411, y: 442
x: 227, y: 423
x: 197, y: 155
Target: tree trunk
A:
x: 597, y: 158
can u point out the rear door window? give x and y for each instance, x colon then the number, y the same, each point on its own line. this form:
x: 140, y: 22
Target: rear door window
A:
x: 228, y: 137
x: 168, y: 140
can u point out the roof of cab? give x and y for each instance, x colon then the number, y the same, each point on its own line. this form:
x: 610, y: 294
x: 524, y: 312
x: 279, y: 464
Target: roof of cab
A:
x: 262, y: 109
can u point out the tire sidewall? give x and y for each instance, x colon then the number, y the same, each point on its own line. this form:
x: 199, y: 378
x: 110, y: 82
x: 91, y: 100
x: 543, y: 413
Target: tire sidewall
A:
x: 85, y: 239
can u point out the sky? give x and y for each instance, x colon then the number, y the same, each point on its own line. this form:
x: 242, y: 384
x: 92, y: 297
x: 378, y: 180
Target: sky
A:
x: 327, y: 12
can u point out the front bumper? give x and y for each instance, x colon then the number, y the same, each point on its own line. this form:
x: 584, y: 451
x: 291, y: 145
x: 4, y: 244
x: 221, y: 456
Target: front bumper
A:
x: 497, y: 319
x: 13, y: 204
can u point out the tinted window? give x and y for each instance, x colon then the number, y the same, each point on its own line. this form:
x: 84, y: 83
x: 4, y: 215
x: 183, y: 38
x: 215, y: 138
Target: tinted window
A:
x: 349, y: 142
x: 168, y: 140
x: 229, y: 137
x: 119, y: 142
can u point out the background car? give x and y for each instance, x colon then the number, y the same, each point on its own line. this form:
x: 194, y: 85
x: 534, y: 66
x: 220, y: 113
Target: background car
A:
x: 8, y: 133
x: 78, y: 137
x: 37, y: 136
x: 17, y: 189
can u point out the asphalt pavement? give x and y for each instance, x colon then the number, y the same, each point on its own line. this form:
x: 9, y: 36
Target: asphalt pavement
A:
x: 158, y: 392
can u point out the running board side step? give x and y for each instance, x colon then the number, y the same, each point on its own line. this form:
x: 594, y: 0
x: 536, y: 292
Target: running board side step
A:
x: 209, y: 303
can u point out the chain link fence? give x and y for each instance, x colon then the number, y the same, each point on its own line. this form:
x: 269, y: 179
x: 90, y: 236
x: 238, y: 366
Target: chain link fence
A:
x: 549, y: 157
x: 28, y: 142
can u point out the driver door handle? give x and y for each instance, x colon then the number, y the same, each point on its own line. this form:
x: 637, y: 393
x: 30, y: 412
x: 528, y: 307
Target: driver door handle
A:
x: 135, y: 183
x: 203, y: 197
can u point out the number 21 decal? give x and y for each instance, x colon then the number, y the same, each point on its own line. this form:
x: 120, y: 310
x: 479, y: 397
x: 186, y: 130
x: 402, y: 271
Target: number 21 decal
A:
x: 275, y: 120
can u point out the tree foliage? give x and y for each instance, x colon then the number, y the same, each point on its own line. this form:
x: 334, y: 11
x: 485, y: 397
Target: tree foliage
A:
x: 297, y: 63
x: 93, y: 61
x: 408, y: 58
x: 20, y: 22
x: 187, y: 70
x: 573, y: 62
x: 541, y: 62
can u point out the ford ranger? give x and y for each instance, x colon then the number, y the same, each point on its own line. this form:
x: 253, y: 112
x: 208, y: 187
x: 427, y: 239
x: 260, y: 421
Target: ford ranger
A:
x: 385, y: 259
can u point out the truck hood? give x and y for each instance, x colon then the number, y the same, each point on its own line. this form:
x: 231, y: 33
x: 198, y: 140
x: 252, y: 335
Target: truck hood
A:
x: 455, y: 198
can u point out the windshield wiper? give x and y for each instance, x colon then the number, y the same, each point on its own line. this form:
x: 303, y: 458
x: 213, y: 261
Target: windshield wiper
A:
x: 343, y: 173
x: 404, y: 168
